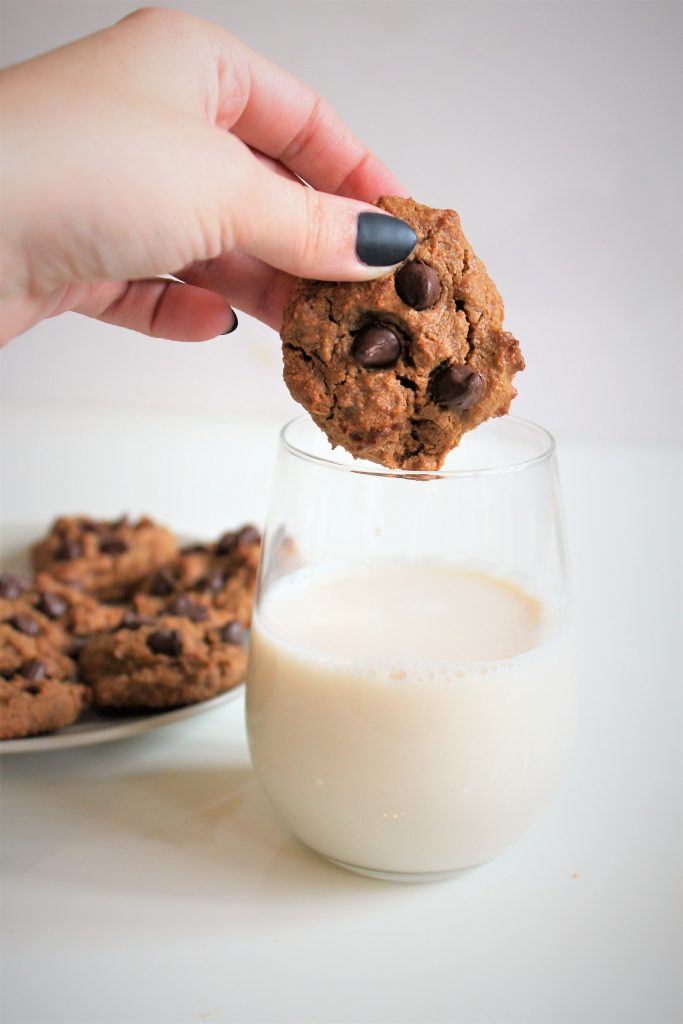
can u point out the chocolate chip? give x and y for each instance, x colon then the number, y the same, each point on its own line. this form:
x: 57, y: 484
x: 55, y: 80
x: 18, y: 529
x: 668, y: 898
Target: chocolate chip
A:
x: 376, y: 346
x: 33, y: 690
x: 189, y: 609
x: 456, y: 387
x: 226, y: 544
x: 25, y: 624
x: 33, y: 670
x: 12, y: 586
x: 113, y: 546
x: 68, y: 550
x: 166, y: 641
x: 213, y: 581
x: 51, y: 605
x: 231, y: 633
x: 163, y: 583
x: 248, y: 535
x: 93, y: 526
x: 194, y: 549
x: 418, y: 285
x: 130, y: 620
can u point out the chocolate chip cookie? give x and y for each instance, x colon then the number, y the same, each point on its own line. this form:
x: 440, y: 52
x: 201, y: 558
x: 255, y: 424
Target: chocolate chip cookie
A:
x: 32, y: 703
x: 13, y: 585
x: 397, y: 369
x: 105, y: 558
x: 37, y: 692
x: 165, y: 662
x: 18, y: 618
x: 221, y: 575
x: 77, y: 613
x: 24, y: 642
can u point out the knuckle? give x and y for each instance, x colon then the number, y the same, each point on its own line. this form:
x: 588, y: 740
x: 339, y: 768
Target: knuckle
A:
x: 305, y: 134
x: 156, y: 19
x: 146, y: 14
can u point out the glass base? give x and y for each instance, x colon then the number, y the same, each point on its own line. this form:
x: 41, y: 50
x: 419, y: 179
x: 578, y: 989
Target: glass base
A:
x: 402, y: 876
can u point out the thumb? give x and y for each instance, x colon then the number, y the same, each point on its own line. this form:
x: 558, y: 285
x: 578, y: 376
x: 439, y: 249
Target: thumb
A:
x: 312, y: 234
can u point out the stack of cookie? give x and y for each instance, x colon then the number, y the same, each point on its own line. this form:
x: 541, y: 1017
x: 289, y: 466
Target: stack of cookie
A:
x: 119, y: 617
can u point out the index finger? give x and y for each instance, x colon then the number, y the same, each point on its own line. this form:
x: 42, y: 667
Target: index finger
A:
x: 285, y: 119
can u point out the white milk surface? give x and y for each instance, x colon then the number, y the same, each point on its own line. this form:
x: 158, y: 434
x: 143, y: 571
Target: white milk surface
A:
x: 407, y: 717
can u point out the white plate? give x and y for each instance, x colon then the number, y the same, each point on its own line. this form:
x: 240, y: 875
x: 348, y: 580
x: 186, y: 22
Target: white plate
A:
x: 92, y: 727
x: 96, y: 728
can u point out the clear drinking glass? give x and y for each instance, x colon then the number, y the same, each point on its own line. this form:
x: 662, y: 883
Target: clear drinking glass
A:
x: 410, y: 692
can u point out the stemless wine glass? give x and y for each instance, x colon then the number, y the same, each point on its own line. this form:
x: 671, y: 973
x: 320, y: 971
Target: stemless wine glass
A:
x: 410, y: 691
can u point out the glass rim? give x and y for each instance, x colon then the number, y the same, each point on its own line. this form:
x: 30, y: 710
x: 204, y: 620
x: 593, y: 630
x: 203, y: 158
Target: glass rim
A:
x: 371, y: 469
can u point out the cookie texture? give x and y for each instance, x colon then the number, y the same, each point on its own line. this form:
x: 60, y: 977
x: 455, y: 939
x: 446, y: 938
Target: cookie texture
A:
x: 166, y: 662
x: 24, y: 617
x: 221, y: 575
x: 396, y: 370
x: 104, y: 558
x: 77, y: 613
x: 29, y: 706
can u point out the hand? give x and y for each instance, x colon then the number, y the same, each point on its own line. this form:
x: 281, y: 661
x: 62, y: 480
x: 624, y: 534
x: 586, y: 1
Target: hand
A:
x: 163, y: 145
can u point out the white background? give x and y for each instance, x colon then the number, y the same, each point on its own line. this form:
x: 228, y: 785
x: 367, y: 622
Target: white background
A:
x: 553, y: 128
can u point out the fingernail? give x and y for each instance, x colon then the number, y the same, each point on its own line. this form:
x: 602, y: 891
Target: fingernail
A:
x: 382, y: 241
x: 234, y: 325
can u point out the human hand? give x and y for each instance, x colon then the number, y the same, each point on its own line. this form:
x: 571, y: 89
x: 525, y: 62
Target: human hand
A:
x: 164, y: 145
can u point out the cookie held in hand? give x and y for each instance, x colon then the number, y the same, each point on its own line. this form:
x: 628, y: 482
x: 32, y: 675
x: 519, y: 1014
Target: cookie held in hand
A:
x: 396, y: 370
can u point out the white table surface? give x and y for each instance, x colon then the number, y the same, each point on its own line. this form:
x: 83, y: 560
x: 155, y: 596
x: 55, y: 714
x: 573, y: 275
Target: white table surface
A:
x: 147, y: 881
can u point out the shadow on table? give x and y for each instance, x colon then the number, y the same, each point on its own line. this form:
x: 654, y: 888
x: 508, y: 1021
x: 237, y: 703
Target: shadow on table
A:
x: 199, y: 833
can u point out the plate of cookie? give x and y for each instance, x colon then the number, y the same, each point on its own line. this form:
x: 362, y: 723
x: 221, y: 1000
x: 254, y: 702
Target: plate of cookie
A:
x: 109, y: 628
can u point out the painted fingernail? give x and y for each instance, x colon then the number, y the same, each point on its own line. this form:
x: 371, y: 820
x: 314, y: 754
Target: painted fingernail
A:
x: 382, y: 241
x: 234, y: 324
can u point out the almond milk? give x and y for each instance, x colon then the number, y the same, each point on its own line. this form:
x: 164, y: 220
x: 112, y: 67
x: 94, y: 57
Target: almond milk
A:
x: 407, y: 718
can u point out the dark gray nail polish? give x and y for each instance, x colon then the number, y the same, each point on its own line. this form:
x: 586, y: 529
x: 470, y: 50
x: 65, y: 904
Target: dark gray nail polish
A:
x: 234, y: 326
x: 383, y: 241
